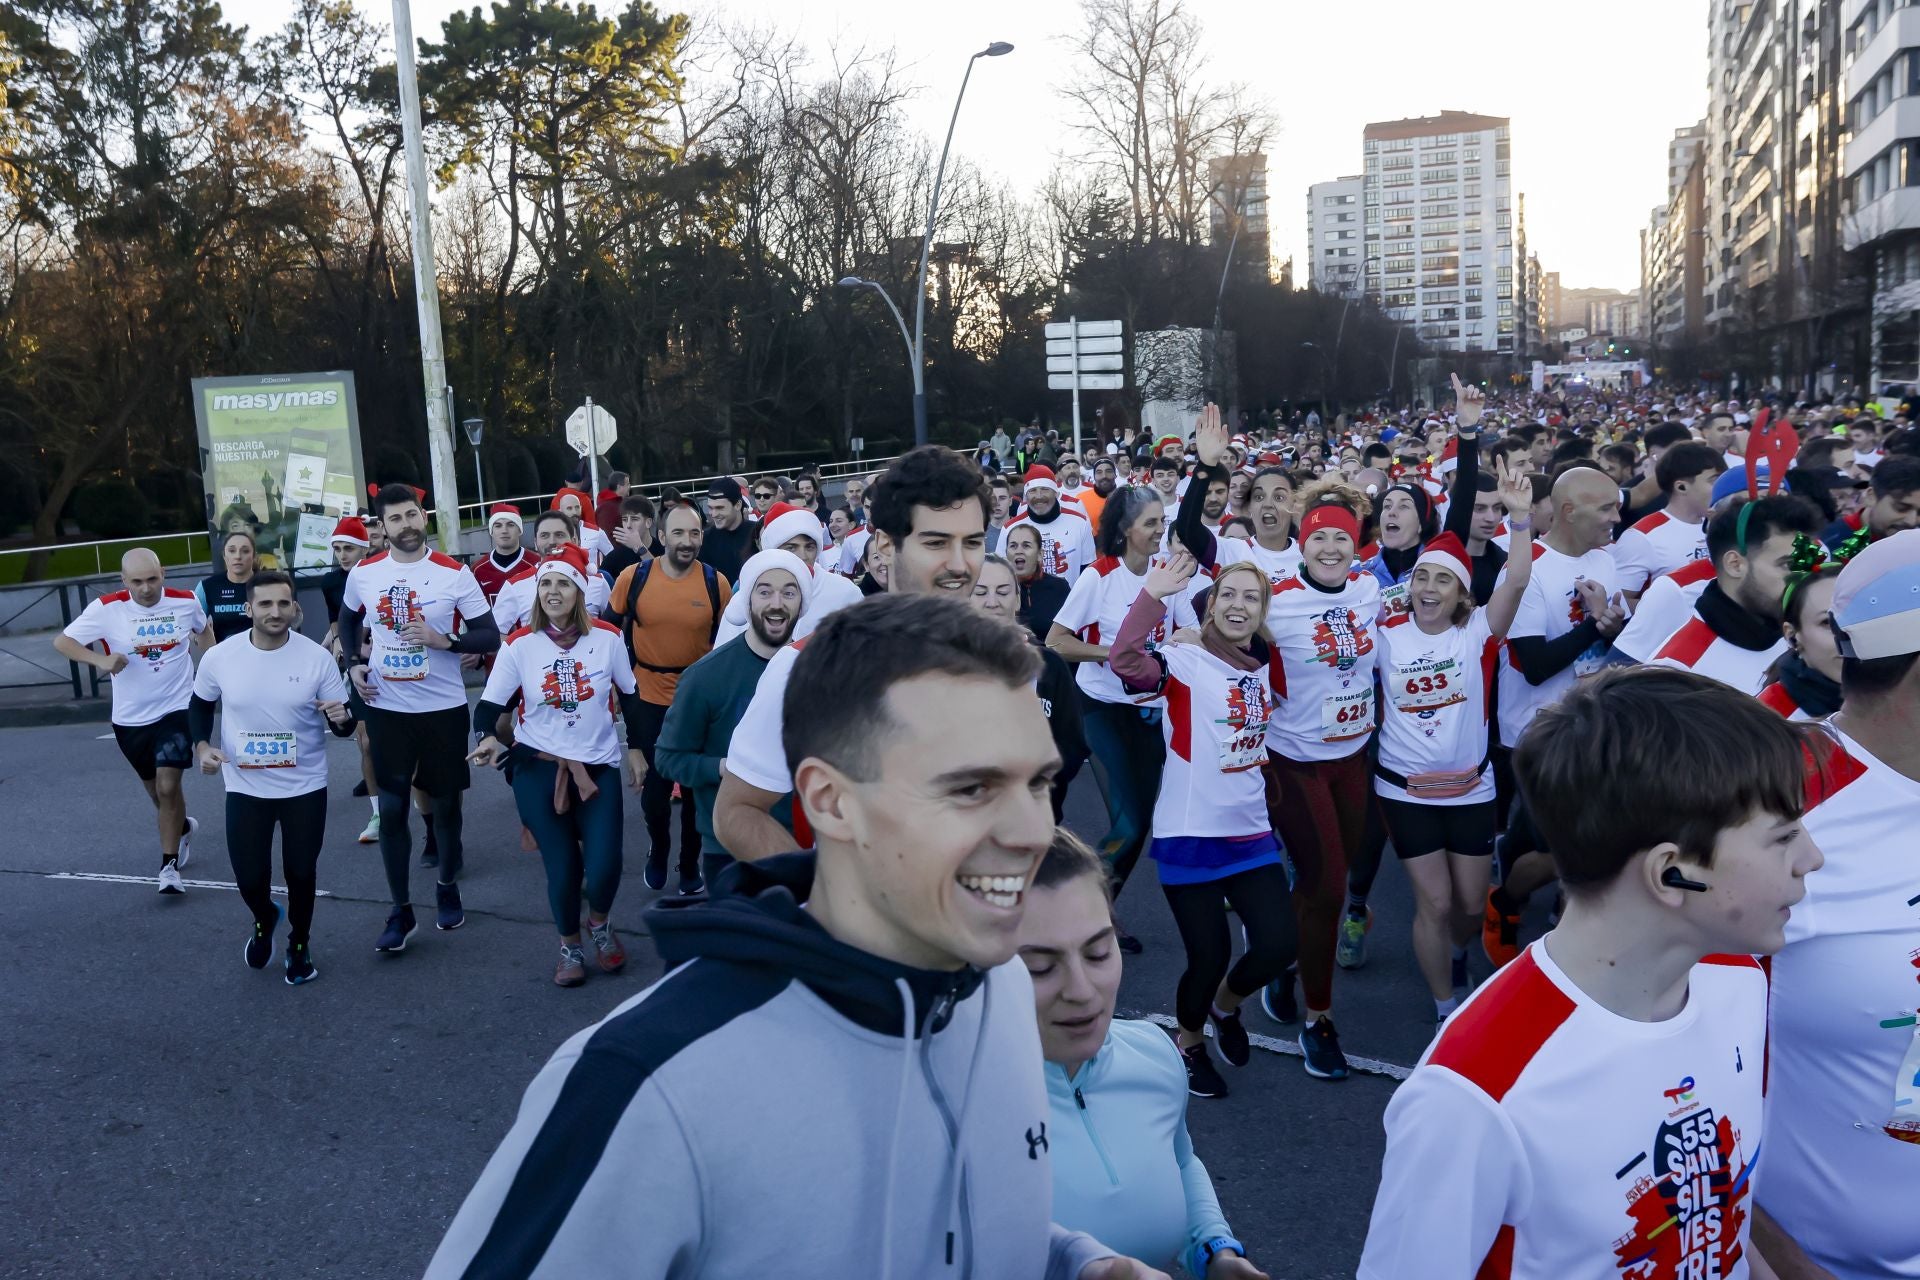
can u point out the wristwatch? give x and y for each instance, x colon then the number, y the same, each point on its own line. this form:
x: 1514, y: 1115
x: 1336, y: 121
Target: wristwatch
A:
x: 1209, y: 1249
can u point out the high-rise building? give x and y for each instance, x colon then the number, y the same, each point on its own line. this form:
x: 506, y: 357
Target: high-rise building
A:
x: 1237, y: 213
x: 1439, y: 228
x: 1882, y: 168
x: 1673, y: 254
x: 1335, y: 246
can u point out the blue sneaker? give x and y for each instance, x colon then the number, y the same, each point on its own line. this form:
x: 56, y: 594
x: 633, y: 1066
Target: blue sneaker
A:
x: 300, y: 964
x: 259, y: 949
x: 400, y: 927
x: 1320, y: 1046
x: 1277, y: 1002
x: 449, y: 914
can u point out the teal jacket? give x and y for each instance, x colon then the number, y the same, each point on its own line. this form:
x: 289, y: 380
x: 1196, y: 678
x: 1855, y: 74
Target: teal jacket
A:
x: 711, y: 697
x: 1124, y: 1170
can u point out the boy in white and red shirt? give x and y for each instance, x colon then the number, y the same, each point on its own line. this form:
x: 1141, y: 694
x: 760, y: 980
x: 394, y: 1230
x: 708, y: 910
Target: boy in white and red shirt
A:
x: 1677, y: 534
x: 145, y: 632
x: 1595, y: 1111
x: 1843, y: 1113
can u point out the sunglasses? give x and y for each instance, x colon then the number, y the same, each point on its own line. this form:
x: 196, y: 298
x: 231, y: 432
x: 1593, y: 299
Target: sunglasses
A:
x: 763, y: 495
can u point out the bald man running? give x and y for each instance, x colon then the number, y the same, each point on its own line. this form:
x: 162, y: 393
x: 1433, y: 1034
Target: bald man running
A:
x: 145, y: 632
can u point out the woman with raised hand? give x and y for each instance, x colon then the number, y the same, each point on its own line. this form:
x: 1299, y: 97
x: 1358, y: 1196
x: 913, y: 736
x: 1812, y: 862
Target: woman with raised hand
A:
x: 562, y: 669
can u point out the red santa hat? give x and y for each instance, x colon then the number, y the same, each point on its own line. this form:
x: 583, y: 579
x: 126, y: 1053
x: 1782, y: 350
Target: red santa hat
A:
x: 586, y: 506
x: 567, y: 560
x: 1449, y: 553
x: 350, y: 529
x: 1449, y: 457
x: 504, y: 511
x: 783, y: 522
x: 373, y: 491
x: 1039, y: 477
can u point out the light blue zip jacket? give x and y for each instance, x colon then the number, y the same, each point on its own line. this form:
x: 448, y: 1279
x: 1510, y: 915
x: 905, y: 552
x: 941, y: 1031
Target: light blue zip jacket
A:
x: 1124, y: 1170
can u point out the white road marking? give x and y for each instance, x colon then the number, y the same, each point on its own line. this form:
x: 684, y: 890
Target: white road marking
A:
x: 1372, y: 1066
x: 103, y: 878
x: 101, y: 737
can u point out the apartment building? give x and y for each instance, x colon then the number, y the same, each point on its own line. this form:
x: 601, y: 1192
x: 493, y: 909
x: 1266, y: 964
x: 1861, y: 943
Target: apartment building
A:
x: 1335, y: 243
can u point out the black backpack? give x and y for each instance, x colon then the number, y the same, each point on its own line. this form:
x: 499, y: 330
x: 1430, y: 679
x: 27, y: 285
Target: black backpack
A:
x: 645, y: 567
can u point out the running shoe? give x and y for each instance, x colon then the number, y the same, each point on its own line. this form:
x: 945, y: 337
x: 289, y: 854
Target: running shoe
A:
x: 1277, y: 1002
x: 400, y: 927
x: 1350, y: 951
x: 370, y: 834
x: 300, y: 964
x: 655, y: 874
x: 607, y: 950
x: 360, y: 789
x: 449, y: 914
x: 1320, y: 1046
x: 1231, y: 1035
x: 259, y: 950
x: 1203, y: 1078
x: 572, y: 969
x: 186, y: 843
x: 692, y: 885
x: 170, y: 878
x: 1499, y: 933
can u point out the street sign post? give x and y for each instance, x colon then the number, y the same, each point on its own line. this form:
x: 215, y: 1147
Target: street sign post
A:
x: 590, y: 430
x: 1085, y: 353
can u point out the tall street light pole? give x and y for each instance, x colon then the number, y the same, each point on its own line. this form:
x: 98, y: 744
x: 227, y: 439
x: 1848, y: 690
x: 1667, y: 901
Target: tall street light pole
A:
x: 426, y: 290
x: 856, y: 282
x: 994, y: 50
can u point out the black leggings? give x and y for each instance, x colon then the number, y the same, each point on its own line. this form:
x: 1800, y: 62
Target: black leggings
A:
x: 1264, y: 902
x: 656, y: 799
x: 303, y: 824
x: 396, y: 842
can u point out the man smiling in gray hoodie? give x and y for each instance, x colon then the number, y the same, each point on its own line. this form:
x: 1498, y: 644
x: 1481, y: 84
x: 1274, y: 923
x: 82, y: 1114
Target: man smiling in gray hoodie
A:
x: 849, y: 1087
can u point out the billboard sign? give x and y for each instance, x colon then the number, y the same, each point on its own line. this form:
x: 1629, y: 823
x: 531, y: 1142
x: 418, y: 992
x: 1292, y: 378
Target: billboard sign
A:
x: 278, y: 450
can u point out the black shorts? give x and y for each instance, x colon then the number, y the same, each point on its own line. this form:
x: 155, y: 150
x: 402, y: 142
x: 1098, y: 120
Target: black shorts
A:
x: 424, y: 749
x: 1419, y: 829
x: 167, y: 743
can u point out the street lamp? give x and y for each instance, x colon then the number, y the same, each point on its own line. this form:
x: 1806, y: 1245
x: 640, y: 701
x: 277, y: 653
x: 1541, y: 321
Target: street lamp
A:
x: 857, y: 282
x: 994, y: 50
x: 473, y: 427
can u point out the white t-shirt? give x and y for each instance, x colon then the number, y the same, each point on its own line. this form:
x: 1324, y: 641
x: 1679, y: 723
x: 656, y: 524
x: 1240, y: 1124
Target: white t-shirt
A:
x: 1662, y: 610
x: 438, y: 588
x: 274, y: 738
x: 514, y: 605
x: 1542, y: 1137
x: 1846, y: 989
x: 1435, y: 692
x: 1276, y: 564
x: 158, y: 677
x: 595, y: 542
x: 1656, y: 545
x: 853, y: 548
x: 1697, y: 647
x: 1095, y: 607
x: 1550, y: 608
x: 1066, y: 543
x: 1216, y: 733
x: 830, y: 594
x: 1322, y: 671
x: 754, y: 753
x: 567, y: 708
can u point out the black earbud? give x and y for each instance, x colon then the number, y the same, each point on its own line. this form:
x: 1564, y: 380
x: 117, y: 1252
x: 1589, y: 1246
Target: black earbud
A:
x: 1674, y: 878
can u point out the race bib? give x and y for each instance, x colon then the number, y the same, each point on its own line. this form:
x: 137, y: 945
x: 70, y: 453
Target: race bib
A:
x: 1592, y: 662
x: 1347, y: 715
x: 156, y: 629
x: 1903, y: 1122
x: 1426, y: 685
x: 1244, y: 750
x: 407, y: 662
x: 1395, y: 600
x: 266, y: 749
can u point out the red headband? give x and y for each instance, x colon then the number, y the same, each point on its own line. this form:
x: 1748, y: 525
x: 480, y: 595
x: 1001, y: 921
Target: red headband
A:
x: 1330, y: 516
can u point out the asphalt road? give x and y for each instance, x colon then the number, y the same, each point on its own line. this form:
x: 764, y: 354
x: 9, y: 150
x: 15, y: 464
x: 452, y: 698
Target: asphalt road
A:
x: 165, y: 1111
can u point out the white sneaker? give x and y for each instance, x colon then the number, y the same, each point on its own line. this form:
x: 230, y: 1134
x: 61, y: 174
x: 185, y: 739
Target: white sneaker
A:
x: 371, y: 835
x: 170, y: 879
x: 186, y: 842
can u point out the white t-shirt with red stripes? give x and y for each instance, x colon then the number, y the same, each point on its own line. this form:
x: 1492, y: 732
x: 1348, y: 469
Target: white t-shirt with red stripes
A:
x: 437, y: 588
x: 1066, y: 542
x: 1276, y: 564
x: 1843, y: 1113
x: 1325, y: 651
x: 567, y: 704
x: 1543, y: 1137
x: 1549, y: 609
x: 1656, y: 545
x: 1697, y: 647
x: 1216, y: 732
x: 1662, y: 610
x: 1435, y: 694
x: 1776, y: 697
x: 514, y: 605
x: 158, y: 642
x: 1095, y: 607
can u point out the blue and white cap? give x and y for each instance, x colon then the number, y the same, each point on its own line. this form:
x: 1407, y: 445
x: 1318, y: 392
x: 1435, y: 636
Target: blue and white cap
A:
x: 1876, y: 600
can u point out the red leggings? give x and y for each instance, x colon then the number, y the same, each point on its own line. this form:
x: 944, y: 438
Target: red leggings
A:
x: 1319, y: 809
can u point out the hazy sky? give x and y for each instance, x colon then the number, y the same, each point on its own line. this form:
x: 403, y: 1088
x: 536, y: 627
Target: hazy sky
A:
x: 1593, y: 98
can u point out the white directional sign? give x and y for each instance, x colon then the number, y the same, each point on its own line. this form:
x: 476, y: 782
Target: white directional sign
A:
x: 1087, y: 328
x: 1087, y: 346
x: 1086, y: 381
x: 1088, y: 364
x: 590, y: 429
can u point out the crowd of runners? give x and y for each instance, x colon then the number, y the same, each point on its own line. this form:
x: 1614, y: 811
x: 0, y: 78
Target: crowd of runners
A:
x: 1652, y: 659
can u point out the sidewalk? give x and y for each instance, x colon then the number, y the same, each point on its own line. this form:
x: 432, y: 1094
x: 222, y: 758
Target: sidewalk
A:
x: 36, y: 686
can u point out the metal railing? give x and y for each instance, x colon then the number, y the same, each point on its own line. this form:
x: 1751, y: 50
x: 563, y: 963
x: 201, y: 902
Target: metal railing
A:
x: 20, y: 655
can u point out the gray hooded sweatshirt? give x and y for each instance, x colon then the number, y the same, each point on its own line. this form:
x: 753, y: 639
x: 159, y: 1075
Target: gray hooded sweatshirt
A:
x: 780, y: 1104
